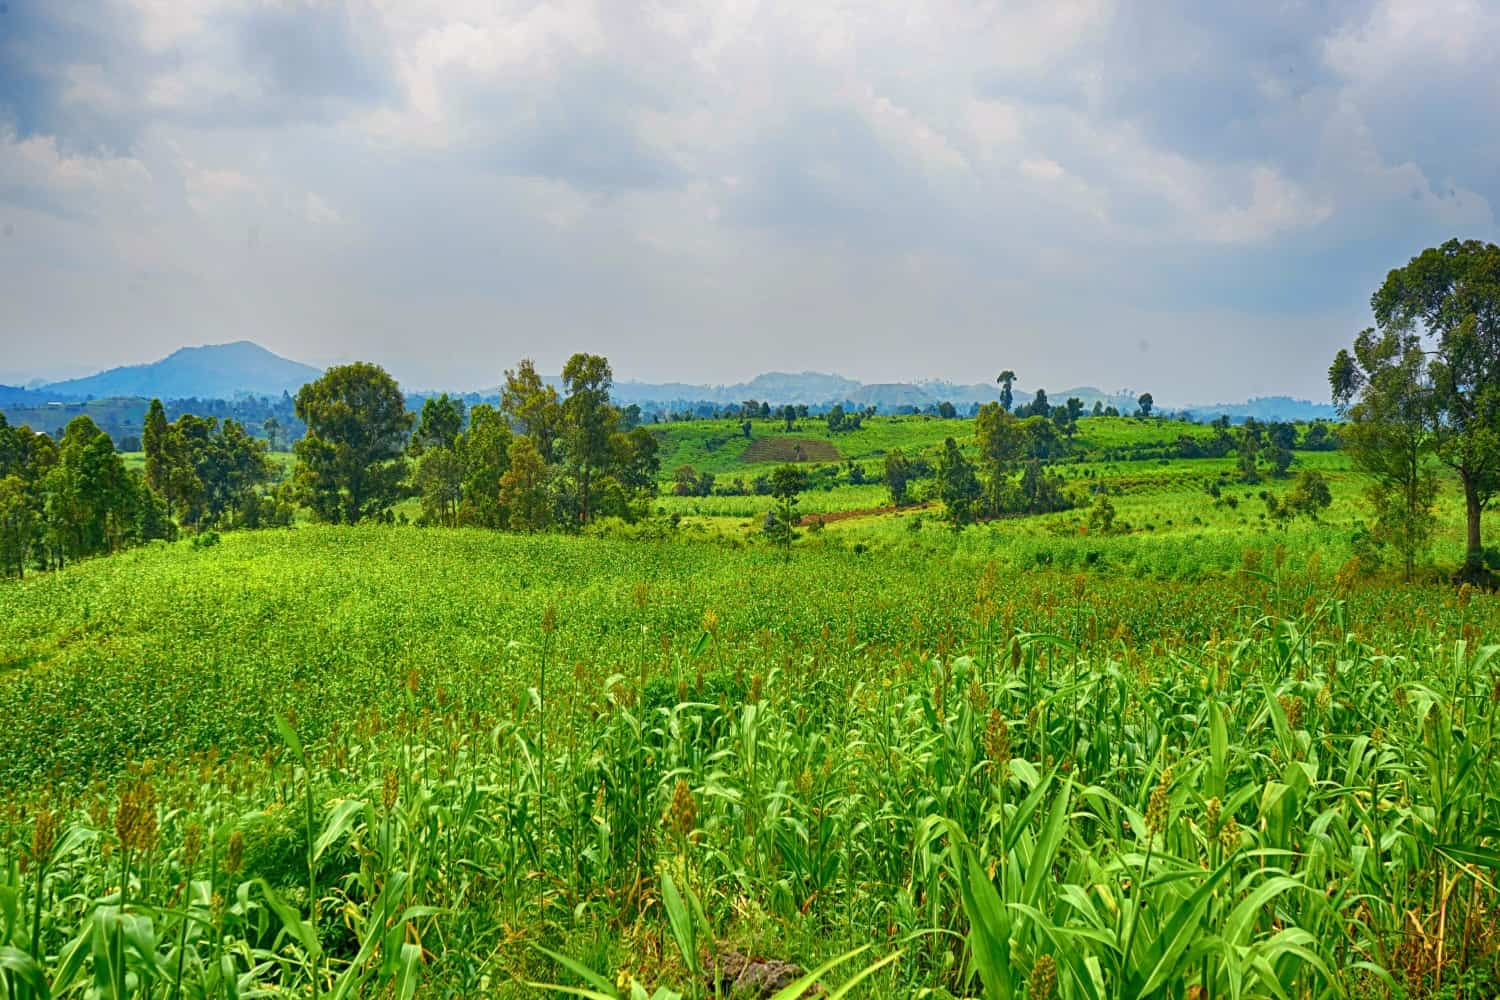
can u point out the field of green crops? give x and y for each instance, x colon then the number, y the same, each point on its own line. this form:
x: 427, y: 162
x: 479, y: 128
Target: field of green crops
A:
x: 1197, y: 756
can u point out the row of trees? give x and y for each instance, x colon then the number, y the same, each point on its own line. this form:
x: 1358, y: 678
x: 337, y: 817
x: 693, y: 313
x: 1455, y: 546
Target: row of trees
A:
x: 66, y: 499
x: 74, y: 497
x: 542, y: 459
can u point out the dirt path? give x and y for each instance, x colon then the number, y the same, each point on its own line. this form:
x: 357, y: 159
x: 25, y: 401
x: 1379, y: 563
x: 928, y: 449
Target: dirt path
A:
x: 848, y: 515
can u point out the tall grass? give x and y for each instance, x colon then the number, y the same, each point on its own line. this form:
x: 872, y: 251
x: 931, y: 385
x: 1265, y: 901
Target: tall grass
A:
x: 1278, y: 783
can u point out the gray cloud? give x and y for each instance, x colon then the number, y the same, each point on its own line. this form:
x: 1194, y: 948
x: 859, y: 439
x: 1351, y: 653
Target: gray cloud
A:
x: 703, y: 192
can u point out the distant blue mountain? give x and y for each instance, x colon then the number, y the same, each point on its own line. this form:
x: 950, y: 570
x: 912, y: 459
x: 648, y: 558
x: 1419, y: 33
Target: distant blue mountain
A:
x: 215, y: 371
x: 1283, y: 408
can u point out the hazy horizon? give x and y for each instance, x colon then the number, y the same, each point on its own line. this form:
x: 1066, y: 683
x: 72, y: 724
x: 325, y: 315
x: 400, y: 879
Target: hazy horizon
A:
x: 1090, y: 193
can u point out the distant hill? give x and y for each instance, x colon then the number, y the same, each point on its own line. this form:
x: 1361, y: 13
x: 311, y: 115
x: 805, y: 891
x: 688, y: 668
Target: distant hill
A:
x: 1264, y: 408
x: 215, y: 371
x: 776, y: 388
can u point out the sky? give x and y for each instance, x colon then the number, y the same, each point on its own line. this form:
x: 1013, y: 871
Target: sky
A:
x: 1194, y: 199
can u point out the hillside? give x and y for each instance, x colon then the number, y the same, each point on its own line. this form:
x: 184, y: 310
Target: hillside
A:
x: 214, y: 371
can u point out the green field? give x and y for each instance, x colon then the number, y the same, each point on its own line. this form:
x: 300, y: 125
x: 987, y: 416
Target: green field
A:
x: 1199, y: 754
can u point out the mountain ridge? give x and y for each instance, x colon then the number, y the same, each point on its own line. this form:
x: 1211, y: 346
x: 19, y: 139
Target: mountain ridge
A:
x: 208, y: 371
x: 244, y: 368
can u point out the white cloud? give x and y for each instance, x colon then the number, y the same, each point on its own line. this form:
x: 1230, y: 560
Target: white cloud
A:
x: 319, y: 212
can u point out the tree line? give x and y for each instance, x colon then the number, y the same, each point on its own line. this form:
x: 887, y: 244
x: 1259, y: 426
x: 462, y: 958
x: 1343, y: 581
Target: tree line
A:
x: 540, y: 460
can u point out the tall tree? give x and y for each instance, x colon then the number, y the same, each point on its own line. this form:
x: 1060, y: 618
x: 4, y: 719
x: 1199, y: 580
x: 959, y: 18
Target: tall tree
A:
x: 154, y: 443
x: 485, y: 450
x: 1006, y: 380
x: 1448, y: 297
x: 350, y: 464
x: 442, y: 420
x: 1145, y: 404
x: 787, y: 482
x: 440, y: 483
x: 958, y: 486
x: 1002, y: 440
x: 588, y: 422
x: 18, y: 524
x: 532, y: 407
x: 524, y: 491
x: 1384, y: 393
x: 898, y: 473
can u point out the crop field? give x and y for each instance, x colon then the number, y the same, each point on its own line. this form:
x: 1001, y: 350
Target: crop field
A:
x: 372, y: 761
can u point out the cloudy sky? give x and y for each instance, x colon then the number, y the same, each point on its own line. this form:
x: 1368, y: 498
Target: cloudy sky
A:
x: 1160, y: 194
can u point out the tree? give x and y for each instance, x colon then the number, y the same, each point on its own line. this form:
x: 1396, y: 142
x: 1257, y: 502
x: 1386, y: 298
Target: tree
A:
x: 440, y: 483
x: 154, y: 444
x: 1146, y: 403
x: 1311, y: 495
x: 271, y: 428
x: 789, y: 415
x: 1039, y: 407
x: 1074, y: 410
x: 1384, y: 393
x: 787, y: 481
x: 958, y: 486
x: 1247, y: 449
x: 18, y: 524
x: 442, y: 420
x: 1277, y: 449
x: 532, y: 407
x: 946, y: 410
x: 898, y: 474
x: 485, y: 451
x: 350, y: 463
x: 1006, y: 380
x: 1002, y: 443
x: 1447, y: 300
x: 524, y: 487
x: 588, y: 422
x: 835, y: 419
x: 1102, y: 513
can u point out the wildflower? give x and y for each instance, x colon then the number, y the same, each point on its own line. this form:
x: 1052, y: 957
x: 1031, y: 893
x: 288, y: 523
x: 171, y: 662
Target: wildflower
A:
x: 1291, y: 707
x: 683, y: 815
x: 389, y: 790
x: 1229, y: 835
x: 234, y: 854
x: 997, y: 740
x: 192, y: 844
x: 43, y: 836
x: 1043, y: 979
x: 1211, y: 818
x: 135, y: 818
x: 549, y: 620
x: 978, y: 701
x: 757, y: 682
x: 1157, y: 807
x: 711, y: 622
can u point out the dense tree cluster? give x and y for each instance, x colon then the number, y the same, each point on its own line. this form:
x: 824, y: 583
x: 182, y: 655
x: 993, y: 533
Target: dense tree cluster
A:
x: 542, y: 460
x: 66, y: 499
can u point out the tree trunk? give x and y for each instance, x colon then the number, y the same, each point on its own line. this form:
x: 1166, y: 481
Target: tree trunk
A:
x: 1474, y: 557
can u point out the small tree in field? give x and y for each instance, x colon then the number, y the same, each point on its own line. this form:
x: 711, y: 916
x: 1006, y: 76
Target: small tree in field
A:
x: 958, y: 486
x: 898, y: 473
x: 787, y: 481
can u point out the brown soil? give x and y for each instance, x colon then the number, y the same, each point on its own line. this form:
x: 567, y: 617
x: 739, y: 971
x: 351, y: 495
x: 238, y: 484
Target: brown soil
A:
x: 790, y: 449
x: 849, y: 515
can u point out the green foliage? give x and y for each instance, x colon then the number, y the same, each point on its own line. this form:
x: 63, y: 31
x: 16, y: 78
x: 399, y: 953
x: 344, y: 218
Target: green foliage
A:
x: 1080, y: 787
x: 1446, y: 303
x: 350, y: 464
x: 958, y: 486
